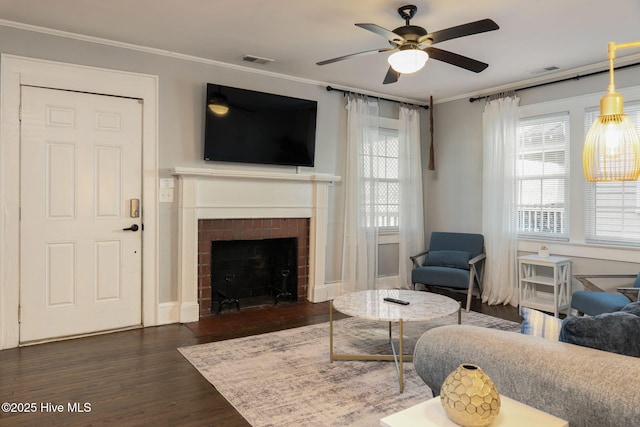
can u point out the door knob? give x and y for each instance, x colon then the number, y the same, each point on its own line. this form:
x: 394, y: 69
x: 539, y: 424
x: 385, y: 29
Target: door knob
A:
x: 134, y: 227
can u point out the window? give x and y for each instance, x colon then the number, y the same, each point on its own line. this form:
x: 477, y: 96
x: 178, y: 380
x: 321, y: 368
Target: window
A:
x: 382, y: 185
x: 542, y: 176
x: 613, y: 208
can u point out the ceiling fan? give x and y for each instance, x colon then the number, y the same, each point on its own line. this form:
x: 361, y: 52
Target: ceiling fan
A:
x: 413, y: 45
x: 219, y: 104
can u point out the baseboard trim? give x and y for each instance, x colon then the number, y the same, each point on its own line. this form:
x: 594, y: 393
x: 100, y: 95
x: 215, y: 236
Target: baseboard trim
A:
x: 326, y: 292
x: 168, y: 312
x: 329, y: 291
x: 389, y: 282
x: 189, y: 312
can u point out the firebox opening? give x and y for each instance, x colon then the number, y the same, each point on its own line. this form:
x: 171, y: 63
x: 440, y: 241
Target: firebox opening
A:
x: 247, y: 273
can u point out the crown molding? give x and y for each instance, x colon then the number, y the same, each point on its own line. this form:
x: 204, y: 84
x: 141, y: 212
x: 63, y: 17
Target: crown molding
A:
x: 578, y: 73
x: 191, y: 58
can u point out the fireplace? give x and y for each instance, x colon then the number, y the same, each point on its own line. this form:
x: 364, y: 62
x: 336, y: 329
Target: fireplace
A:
x: 226, y: 204
x: 241, y: 273
x: 247, y: 273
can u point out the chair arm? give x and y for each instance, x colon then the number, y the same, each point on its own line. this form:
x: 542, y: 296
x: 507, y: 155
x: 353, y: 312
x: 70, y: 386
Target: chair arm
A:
x: 589, y: 285
x: 477, y: 258
x: 631, y: 293
x: 414, y: 258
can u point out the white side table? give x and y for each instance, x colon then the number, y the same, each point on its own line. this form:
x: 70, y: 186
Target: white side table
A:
x: 545, y: 283
x: 512, y: 413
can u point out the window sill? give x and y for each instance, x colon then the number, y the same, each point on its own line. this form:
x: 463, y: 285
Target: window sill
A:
x: 582, y: 250
x: 388, y: 237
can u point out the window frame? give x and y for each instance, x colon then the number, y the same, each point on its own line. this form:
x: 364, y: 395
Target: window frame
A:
x: 577, y: 246
x: 595, y: 191
x: 538, y: 209
x: 386, y: 125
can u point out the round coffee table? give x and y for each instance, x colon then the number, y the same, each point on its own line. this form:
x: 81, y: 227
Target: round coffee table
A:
x: 371, y: 305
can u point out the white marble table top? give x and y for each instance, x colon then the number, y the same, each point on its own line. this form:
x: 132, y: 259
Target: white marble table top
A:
x: 371, y: 305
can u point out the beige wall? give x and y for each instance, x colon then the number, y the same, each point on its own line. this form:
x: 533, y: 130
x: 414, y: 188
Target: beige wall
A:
x: 454, y: 191
x: 182, y: 86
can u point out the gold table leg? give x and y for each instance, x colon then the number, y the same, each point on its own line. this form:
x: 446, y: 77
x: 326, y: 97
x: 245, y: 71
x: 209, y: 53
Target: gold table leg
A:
x: 398, y: 358
x: 401, y: 357
x: 331, y: 331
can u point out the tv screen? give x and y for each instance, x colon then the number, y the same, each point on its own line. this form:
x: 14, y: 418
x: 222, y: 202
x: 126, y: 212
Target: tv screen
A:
x: 255, y: 127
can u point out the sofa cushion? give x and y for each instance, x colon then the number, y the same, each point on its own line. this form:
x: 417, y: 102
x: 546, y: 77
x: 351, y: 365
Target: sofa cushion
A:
x: 448, y: 258
x: 633, y: 308
x: 441, y: 276
x: 595, y: 303
x: 473, y: 243
x: 539, y: 324
x: 617, y: 332
x: 584, y: 386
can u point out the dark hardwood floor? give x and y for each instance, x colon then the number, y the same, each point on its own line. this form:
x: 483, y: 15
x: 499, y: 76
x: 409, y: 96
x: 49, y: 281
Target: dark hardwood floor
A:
x: 137, y: 377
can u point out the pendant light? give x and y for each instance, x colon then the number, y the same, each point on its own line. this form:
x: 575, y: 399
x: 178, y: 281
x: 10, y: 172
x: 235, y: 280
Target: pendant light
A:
x: 612, y: 147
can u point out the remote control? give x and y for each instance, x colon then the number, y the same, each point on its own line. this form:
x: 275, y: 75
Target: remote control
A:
x: 396, y: 301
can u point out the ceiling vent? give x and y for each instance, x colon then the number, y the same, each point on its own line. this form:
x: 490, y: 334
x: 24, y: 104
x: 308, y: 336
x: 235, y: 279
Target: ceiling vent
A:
x: 546, y: 70
x: 257, y: 59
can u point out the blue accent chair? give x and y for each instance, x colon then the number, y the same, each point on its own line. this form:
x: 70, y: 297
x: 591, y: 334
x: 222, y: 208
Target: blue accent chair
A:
x: 453, y: 260
x: 593, y: 300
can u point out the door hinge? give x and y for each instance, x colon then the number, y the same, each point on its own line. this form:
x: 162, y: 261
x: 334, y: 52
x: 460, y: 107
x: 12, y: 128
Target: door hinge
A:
x: 20, y: 113
x: 19, y: 314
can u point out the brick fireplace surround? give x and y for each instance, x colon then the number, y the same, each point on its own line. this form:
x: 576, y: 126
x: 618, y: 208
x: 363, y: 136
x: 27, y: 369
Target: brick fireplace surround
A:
x: 234, y: 203
x: 248, y: 229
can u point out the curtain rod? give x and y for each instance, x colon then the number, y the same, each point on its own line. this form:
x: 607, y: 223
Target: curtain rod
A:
x: 346, y: 92
x: 578, y: 77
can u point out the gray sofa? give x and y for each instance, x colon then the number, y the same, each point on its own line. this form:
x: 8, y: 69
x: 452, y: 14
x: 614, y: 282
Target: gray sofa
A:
x: 584, y: 386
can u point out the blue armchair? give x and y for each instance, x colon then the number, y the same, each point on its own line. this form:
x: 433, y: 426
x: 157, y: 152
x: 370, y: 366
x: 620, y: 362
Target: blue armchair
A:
x: 453, y: 260
x: 593, y: 300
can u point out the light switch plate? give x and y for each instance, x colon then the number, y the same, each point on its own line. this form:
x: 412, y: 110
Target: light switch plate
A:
x: 167, y: 183
x: 166, y: 195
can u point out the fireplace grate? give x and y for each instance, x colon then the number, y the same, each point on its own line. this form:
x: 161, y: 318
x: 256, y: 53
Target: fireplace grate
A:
x: 253, y: 272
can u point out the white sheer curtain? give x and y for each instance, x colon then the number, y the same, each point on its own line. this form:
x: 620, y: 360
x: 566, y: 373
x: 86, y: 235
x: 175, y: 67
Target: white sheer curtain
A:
x: 360, y: 241
x: 499, y: 220
x: 411, y: 233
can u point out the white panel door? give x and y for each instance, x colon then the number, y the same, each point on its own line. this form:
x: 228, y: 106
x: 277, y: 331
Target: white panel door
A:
x: 80, y: 166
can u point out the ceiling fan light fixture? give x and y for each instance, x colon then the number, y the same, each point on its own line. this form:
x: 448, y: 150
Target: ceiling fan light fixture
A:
x: 218, y: 107
x: 408, y: 61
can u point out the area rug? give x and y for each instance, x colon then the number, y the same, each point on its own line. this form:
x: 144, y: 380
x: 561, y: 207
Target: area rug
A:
x: 285, y: 378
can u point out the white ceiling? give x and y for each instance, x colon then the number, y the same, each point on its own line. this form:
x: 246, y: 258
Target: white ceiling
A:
x: 533, y: 34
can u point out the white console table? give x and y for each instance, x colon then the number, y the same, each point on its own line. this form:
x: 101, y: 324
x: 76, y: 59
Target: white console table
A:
x: 512, y: 413
x: 544, y: 283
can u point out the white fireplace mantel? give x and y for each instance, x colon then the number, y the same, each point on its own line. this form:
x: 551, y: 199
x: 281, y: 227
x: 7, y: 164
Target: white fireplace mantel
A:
x: 223, y: 194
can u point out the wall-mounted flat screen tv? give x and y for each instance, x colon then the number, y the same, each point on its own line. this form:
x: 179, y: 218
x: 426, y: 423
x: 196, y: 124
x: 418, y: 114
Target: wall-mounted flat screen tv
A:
x: 255, y: 127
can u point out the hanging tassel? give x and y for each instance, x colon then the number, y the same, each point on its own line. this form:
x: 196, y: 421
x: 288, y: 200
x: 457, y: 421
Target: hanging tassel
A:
x: 432, y: 162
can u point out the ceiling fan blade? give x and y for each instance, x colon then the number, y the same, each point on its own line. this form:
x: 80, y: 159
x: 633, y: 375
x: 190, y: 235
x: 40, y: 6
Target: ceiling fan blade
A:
x: 392, y: 76
x: 353, y: 55
x: 389, y: 35
x: 463, y: 30
x: 455, y: 59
